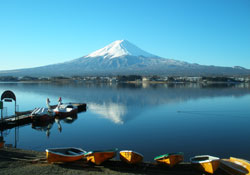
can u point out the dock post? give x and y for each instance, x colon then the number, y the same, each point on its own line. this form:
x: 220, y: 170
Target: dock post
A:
x: 15, y: 112
x: 1, y: 108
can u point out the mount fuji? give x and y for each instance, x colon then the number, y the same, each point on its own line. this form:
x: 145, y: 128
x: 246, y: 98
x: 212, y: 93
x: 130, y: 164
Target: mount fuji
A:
x: 124, y: 58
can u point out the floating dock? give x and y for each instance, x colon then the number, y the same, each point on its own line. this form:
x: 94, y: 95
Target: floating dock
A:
x: 24, y: 118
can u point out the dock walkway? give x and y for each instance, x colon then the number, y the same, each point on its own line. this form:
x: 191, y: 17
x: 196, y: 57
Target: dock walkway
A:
x: 23, y: 118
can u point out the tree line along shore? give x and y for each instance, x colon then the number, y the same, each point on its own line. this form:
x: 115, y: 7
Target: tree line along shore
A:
x: 131, y: 78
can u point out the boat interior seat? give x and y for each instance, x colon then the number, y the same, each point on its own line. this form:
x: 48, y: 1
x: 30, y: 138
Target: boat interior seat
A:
x: 71, y: 152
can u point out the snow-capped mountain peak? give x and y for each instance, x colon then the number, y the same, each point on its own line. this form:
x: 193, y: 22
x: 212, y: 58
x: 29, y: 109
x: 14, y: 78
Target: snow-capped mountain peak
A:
x: 123, y: 58
x: 120, y: 48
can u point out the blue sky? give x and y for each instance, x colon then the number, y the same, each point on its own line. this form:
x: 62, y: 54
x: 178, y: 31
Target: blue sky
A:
x: 41, y: 32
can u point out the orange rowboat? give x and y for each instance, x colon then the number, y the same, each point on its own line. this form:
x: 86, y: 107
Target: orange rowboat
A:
x: 170, y: 159
x: 131, y: 157
x: 206, y: 163
x: 235, y: 166
x: 98, y: 157
x: 64, y: 154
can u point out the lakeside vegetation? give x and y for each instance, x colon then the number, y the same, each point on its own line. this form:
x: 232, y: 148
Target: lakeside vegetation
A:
x: 131, y: 79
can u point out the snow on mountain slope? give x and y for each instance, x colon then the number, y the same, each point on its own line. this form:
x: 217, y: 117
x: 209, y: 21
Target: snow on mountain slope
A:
x: 121, y: 54
x: 120, y: 48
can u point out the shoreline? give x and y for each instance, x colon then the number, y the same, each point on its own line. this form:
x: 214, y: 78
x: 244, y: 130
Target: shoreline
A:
x: 23, y: 162
x: 123, y: 82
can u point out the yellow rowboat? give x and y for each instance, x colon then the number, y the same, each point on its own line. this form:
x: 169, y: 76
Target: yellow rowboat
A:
x: 235, y: 166
x: 170, y: 159
x: 131, y: 157
x: 64, y: 154
x: 98, y: 157
x: 206, y: 163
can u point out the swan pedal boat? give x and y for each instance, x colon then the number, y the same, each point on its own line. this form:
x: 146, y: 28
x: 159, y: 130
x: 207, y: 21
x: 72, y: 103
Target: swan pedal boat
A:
x: 65, y: 110
x: 68, y: 154
x: 206, y: 163
x: 235, y: 166
x: 170, y: 159
x: 131, y: 157
x: 98, y: 157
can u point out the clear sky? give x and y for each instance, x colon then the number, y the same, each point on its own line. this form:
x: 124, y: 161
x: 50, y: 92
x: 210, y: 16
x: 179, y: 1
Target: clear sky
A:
x: 41, y: 32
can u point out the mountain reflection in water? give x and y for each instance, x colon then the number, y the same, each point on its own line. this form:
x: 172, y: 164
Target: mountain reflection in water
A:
x: 111, y: 111
x: 123, y: 102
x: 171, y: 117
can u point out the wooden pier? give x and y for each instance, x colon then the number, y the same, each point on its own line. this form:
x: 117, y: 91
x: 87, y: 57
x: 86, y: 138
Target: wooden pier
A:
x: 24, y: 118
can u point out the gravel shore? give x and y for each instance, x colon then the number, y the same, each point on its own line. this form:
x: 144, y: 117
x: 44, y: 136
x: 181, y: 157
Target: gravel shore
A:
x: 24, y: 162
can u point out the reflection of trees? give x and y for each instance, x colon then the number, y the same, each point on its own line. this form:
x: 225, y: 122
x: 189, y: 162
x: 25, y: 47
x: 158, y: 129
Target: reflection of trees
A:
x: 218, y: 85
x: 129, y: 86
x: 131, y: 94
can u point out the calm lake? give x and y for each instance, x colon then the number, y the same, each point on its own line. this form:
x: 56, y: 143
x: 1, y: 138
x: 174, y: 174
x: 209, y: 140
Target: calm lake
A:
x: 150, y: 119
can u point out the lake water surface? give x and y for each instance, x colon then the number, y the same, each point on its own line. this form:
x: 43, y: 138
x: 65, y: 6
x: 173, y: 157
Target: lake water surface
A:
x: 150, y: 119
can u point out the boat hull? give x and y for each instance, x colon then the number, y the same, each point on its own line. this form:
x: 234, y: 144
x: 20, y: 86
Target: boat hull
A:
x: 98, y: 157
x: 206, y: 163
x: 41, y: 115
x: 131, y: 157
x: 235, y: 166
x: 66, y: 114
x: 65, y: 110
x: 170, y: 159
x: 42, y: 118
x: 64, y: 154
